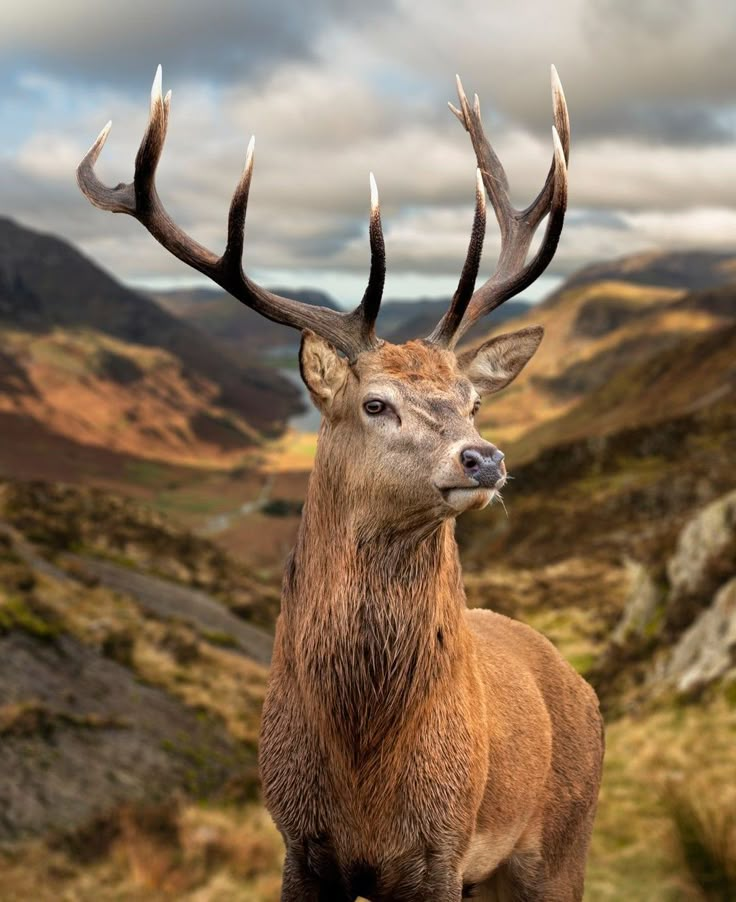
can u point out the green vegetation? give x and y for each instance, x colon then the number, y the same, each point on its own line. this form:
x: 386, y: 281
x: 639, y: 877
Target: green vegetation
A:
x: 219, y: 638
x: 17, y: 613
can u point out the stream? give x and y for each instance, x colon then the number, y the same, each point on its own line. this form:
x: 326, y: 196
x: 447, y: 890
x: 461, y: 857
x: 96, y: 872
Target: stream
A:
x: 307, y: 421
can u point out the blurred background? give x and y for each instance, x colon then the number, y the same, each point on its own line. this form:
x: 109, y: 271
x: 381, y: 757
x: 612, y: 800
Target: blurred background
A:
x: 155, y: 441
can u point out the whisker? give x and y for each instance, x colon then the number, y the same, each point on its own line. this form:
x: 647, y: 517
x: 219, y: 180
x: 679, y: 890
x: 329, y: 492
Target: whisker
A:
x: 500, y: 498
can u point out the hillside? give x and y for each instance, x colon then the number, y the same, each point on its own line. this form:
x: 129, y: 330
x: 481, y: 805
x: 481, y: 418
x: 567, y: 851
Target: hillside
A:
x: 98, y: 364
x: 231, y: 323
x: 238, y: 328
x: 597, y: 324
x: 132, y: 671
x: 682, y: 270
x: 617, y: 541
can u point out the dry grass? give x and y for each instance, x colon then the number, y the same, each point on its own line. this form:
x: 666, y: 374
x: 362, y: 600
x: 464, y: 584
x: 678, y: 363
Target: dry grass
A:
x: 166, y: 654
x: 636, y: 853
x: 705, y: 824
x: 178, y: 851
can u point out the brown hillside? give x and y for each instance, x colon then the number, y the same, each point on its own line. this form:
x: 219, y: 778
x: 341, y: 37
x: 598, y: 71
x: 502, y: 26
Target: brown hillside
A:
x: 593, y: 331
x: 47, y: 287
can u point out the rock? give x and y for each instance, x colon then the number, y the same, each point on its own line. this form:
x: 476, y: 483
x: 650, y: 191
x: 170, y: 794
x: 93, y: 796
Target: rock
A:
x: 643, y: 610
x: 705, y: 558
x: 80, y: 734
x: 706, y: 652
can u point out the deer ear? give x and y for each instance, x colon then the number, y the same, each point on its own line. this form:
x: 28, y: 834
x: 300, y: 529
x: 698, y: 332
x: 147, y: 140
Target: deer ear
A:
x: 323, y: 370
x: 499, y: 361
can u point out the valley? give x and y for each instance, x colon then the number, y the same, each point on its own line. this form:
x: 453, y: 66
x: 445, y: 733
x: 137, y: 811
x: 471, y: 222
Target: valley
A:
x: 141, y: 557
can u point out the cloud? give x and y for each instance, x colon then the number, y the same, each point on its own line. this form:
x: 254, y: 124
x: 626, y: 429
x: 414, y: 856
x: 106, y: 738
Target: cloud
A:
x: 227, y: 39
x: 333, y: 90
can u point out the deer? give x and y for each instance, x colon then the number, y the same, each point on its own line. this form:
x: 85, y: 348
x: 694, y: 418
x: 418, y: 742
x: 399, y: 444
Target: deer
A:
x: 410, y: 748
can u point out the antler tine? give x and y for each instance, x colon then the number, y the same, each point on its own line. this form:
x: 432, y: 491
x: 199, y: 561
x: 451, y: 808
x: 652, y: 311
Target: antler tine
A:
x: 539, y: 207
x: 448, y: 325
x: 494, y: 175
x: 233, y: 256
x: 349, y: 332
x: 371, y: 302
x: 494, y: 292
x: 513, y: 274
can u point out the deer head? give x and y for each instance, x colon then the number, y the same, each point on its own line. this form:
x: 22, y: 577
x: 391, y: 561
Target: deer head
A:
x: 397, y: 419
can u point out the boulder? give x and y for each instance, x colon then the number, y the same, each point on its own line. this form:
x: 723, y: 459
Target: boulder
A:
x: 705, y: 558
x: 706, y: 652
x: 642, y: 614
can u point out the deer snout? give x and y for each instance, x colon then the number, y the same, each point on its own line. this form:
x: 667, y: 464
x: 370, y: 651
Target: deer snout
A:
x: 483, y: 462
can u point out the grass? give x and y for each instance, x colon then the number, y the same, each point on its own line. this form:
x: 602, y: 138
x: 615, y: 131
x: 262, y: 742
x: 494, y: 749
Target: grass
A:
x: 706, y: 830
x: 636, y: 851
x: 16, y: 613
x: 173, y: 851
x: 220, y: 638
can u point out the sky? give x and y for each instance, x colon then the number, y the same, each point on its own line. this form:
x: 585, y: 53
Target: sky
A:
x: 333, y: 89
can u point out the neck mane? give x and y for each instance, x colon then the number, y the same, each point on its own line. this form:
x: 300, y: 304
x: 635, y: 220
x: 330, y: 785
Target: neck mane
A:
x: 373, y: 617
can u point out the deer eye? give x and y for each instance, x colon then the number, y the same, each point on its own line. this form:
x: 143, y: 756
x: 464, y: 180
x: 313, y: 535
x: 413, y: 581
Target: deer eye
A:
x: 476, y: 407
x: 374, y: 407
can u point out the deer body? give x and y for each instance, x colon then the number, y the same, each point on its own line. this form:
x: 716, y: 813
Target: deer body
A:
x: 411, y: 750
x: 407, y: 743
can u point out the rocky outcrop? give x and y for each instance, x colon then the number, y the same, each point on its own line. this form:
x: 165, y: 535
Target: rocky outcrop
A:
x: 677, y: 631
x: 79, y: 733
x: 706, y: 652
x: 704, y: 559
x: 643, y: 610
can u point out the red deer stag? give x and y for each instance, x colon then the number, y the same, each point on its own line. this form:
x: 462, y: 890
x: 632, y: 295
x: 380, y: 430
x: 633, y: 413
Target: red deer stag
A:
x: 411, y: 749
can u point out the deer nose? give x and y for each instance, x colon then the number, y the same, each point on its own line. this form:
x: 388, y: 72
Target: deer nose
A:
x: 483, y: 463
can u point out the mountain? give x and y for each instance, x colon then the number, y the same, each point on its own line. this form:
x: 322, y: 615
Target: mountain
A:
x: 240, y: 329
x: 598, y: 323
x: 400, y: 321
x: 673, y: 269
x: 92, y: 361
x: 231, y: 323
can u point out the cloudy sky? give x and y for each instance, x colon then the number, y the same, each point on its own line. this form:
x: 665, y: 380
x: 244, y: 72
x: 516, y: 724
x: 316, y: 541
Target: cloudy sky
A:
x: 335, y: 88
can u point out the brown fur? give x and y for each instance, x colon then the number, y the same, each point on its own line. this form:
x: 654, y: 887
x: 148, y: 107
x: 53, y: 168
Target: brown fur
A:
x: 409, y: 746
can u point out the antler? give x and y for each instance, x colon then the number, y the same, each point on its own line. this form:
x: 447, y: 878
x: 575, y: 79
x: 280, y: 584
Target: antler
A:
x: 350, y: 332
x: 512, y: 273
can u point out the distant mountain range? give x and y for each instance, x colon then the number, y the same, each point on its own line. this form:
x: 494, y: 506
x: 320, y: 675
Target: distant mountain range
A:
x: 86, y: 363
x: 240, y: 329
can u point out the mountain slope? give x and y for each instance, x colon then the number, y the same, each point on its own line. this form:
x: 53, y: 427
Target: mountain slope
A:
x: 604, y: 319
x: 48, y: 290
x: 231, y: 323
x: 682, y: 270
x: 223, y: 318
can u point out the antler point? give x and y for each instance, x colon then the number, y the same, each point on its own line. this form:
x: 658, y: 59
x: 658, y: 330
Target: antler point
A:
x: 249, y: 156
x: 558, y: 148
x: 156, y: 86
x: 374, y: 191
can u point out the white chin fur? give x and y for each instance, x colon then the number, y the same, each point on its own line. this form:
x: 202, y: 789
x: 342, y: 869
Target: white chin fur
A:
x: 469, y: 499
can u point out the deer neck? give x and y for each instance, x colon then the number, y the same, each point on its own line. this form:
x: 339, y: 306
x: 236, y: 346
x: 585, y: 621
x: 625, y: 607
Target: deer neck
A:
x: 373, y: 615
